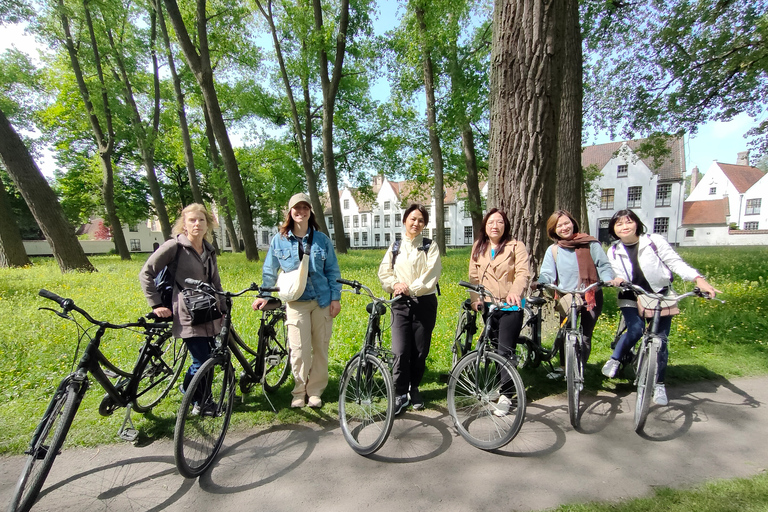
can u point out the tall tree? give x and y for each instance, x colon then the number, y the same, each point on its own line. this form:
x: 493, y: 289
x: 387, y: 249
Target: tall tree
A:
x: 524, y: 98
x: 12, y: 252
x: 105, y: 140
x: 41, y: 200
x: 199, y: 61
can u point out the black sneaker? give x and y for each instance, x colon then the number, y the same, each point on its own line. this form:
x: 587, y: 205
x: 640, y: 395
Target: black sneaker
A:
x: 416, y: 401
x: 401, y: 402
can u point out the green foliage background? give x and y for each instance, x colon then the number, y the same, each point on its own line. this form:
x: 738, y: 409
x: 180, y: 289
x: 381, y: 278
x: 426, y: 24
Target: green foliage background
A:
x: 709, y: 340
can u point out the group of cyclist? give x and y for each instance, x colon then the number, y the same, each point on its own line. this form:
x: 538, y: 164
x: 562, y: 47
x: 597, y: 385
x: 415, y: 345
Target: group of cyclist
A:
x: 411, y: 269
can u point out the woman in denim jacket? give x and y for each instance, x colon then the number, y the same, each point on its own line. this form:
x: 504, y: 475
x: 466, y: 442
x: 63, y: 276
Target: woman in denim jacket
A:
x: 310, y: 318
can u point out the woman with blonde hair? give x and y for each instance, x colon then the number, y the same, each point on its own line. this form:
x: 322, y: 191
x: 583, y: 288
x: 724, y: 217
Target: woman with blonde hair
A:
x: 189, y: 255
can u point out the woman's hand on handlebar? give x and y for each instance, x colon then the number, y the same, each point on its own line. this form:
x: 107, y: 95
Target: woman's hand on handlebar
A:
x: 478, y: 305
x: 258, y: 303
x: 514, y: 300
x: 400, y: 289
x: 162, y: 312
x: 707, y: 288
x: 616, y: 281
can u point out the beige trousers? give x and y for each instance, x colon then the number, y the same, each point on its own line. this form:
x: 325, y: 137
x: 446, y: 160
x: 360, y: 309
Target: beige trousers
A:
x: 309, y: 335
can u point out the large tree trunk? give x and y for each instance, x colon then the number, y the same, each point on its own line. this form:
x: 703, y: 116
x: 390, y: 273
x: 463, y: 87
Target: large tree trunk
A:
x: 303, y: 135
x: 12, y: 252
x: 201, y: 67
x: 104, y: 142
x: 570, y: 175
x: 189, y: 156
x: 330, y: 87
x: 434, y: 137
x: 523, y: 131
x: 41, y: 200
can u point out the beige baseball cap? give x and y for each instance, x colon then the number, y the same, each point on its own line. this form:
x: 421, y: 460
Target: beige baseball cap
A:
x: 301, y: 197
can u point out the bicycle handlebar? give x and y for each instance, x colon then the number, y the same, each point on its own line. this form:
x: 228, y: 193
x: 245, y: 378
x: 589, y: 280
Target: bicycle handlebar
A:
x: 582, y: 292
x: 253, y: 287
x: 69, y: 305
x: 627, y: 286
x: 357, y: 285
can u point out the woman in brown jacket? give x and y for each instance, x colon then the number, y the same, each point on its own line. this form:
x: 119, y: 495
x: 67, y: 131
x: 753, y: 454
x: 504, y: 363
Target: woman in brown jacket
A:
x: 500, y: 264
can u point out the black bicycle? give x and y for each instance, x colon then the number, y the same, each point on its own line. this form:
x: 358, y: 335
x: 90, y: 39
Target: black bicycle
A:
x: 206, y: 408
x: 366, y: 390
x: 159, y: 364
x: 573, y: 339
x: 486, y: 396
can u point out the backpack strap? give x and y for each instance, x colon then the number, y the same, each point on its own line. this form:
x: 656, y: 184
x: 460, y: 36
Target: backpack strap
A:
x: 426, y: 243
x: 395, y: 251
x: 554, y: 257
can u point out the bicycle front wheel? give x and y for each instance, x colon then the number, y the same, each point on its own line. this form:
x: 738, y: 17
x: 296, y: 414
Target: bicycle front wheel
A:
x: 276, y: 356
x: 462, y: 340
x: 45, y: 446
x: 486, y: 399
x: 159, y: 372
x: 574, y: 376
x: 204, y: 417
x: 646, y: 379
x: 366, y: 404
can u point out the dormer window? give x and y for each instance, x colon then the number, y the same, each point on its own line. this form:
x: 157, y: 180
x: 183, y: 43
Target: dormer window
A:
x: 623, y: 171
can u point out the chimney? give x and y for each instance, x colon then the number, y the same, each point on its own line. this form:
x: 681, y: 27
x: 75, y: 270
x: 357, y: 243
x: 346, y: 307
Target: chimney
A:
x: 378, y: 180
x: 742, y: 158
x: 694, y: 177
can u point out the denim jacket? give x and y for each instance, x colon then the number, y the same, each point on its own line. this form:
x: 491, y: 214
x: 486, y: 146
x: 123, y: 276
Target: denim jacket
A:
x: 323, y: 267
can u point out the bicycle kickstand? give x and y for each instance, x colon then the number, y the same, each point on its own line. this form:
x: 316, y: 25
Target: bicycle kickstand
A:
x: 127, y: 431
x: 266, y: 395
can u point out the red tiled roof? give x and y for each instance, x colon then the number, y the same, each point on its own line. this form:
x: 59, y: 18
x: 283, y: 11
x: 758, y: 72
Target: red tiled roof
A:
x: 671, y: 169
x: 742, y: 176
x: 699, y: 213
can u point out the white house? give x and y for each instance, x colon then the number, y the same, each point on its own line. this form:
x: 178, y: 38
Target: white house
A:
x: 654, y: 193
x: 725, y: 206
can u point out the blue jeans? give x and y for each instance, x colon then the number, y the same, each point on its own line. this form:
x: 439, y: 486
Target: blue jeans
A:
x: 200, y: 349
x: 635, y: 324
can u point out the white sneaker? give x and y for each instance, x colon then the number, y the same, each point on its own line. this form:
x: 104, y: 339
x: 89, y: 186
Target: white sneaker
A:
x: 501, y: 408
x: 610, y: 368
x: 660, y: 394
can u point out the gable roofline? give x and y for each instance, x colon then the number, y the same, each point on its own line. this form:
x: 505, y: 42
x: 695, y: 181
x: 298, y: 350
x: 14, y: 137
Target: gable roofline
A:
x: 672, y: 168
x: 742, y: 177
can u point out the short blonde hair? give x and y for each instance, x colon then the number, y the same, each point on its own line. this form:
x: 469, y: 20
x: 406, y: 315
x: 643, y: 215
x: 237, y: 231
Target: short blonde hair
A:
x: 178, y: 228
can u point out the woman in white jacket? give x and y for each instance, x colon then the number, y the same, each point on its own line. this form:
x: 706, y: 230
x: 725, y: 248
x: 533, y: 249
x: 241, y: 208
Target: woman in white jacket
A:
x: 646, y: 261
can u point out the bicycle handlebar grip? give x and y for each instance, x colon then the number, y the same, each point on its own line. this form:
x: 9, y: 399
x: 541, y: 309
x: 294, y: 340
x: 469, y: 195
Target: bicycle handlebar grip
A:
x: 269, y: 289
x: 193, y: 282
x: 471, y: 286
x: 353, y: 284
x: 50, y: 295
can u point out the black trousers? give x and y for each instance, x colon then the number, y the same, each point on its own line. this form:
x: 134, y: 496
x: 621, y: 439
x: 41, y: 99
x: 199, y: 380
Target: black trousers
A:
x: 413, y: 320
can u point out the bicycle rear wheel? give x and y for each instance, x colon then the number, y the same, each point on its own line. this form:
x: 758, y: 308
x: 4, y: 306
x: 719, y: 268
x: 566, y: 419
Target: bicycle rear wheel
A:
x: 159, y: 372
x: 574, y: 376
x: 646, y: 379
x: 276, y: 355
x: 462, y: 339
x: 45, y: 446
x: 366, y: 404
x: 474, y: 400
x: 204, y: 416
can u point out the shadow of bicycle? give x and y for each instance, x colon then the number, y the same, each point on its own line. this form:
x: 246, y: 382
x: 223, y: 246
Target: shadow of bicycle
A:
x: 415, y: 437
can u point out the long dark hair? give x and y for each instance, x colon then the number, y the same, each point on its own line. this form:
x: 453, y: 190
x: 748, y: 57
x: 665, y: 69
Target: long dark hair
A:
x: 482, y: 242
x: 639, y: 230
x: 288, y: 223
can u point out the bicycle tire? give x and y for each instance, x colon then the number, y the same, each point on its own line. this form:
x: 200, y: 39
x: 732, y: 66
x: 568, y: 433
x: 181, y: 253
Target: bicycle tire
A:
x: 159, y: 373
x: 524, y: 353
x: 460, y: 342
x: 277, y: 355
x: 197, y: 438
x: 646, y: 379
x: 573, y: 376
x: 366, y: 404
x: 473, y: 393
x: 44, y: 447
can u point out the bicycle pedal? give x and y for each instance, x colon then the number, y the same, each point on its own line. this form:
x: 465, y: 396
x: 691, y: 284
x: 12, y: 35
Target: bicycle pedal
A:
x: 128, y: 434
x: 273, y: 360
x: 110, y: 373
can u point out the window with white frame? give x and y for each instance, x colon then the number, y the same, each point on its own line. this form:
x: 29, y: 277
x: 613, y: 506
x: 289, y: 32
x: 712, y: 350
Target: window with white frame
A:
x: 346, y: 204
x: 265, y: 237
x: 376, y: 221
x: 397, y: 220
x: 346, y: 221
x: 357, y: 238
x: 386, y: 221
x: 330, y: 222
x: 751, y: 226
x: 606, y: 199
x: 356, y: 221
x: 364, y: 220
x: 387, y: 238
x: 386, y: 205
x: 447, y: 236
x: 467, y: 235
x: 712, y: 191
x: 753, y: 206
x: 445, y: 212
x: 377, y: 239
x: 661, y: 226
x: 135, y: 244
x: 664, y: 194
x: 634, y: 197
x: 365, y: 238
x: 397, y: 236
x: 622, y: 171
x: 467, y: 212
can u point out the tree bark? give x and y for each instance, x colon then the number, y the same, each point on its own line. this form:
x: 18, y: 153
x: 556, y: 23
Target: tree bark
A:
x: 12, y: 251
x: 104, y: 142
x: 200, y: 64
x: 189, y: 156
x: 523, y: 128
x: 570, y: 175
x: 330, y: 86
x: 41, y: 200
x: 434, y: 137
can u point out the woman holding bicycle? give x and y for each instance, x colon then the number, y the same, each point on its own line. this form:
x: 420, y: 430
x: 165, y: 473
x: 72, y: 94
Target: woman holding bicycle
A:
x: 411, y: 268
x: 574, y: 261
x: 310, y: 318
x: 189, y: 255
x: 500, y: 264
x: 646, y: 261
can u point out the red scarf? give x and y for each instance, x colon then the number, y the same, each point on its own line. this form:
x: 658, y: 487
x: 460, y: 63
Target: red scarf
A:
x: 580, y: 243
